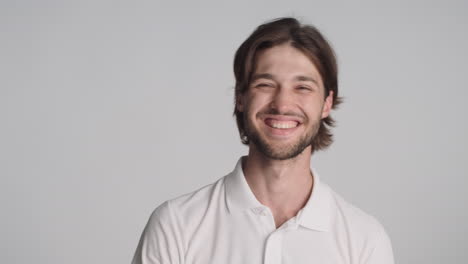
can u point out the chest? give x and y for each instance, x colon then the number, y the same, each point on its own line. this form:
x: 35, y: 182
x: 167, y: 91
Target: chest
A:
x: 256, y: 240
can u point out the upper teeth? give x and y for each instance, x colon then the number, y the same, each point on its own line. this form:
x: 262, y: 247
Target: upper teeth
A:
x: 284, y: 124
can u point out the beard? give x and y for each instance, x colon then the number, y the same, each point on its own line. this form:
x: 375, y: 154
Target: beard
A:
x: 280, y: 152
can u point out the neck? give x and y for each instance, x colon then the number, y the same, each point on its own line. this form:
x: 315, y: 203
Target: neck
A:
x: 282, y: 185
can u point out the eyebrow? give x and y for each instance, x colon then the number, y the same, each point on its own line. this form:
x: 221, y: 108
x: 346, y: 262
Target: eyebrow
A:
x: 262, y: 76
x: 306, y: 79
x: 271, y: 77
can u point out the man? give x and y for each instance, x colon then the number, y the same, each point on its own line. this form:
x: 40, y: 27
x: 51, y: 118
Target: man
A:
x: 272, y: 208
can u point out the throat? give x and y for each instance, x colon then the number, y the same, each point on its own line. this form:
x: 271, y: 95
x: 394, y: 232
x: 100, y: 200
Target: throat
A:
x: 281, y: 218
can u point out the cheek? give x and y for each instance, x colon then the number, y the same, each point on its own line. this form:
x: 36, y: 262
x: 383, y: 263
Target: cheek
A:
x: 313, y: 107
x: 256, y: 102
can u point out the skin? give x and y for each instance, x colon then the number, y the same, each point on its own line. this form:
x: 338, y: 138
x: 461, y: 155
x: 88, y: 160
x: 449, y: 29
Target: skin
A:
x: 286, y: 87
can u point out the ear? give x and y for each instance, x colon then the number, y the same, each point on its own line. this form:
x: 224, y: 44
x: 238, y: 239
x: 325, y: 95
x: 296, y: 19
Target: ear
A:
x: 327, y: 106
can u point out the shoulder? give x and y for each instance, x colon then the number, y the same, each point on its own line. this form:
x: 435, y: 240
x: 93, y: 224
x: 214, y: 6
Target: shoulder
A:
x: 353, y: 216
x: 191, y: 205
x: 164, y: 237
x: 361, y: 230
x: 192, y: 202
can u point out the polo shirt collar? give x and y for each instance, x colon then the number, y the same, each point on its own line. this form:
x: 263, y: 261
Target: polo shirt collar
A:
x: 239, y: 196
x: 315, y: 215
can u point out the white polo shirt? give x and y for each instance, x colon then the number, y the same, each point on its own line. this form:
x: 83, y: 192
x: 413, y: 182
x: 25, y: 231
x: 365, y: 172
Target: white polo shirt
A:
x: 224, y: 223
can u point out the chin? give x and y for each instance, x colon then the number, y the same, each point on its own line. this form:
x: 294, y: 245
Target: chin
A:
x: 280, y: 151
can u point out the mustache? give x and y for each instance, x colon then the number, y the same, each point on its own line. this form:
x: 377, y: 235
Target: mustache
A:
x: 273, y: 111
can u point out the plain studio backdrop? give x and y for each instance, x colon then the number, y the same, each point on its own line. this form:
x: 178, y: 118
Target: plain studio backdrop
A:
x: 109, y: 108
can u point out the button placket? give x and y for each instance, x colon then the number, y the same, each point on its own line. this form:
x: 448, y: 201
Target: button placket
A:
x: 273, y: 248
x: 266, y: 221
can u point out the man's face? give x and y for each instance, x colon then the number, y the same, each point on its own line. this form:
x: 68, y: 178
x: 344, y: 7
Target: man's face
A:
x: 284, y: 103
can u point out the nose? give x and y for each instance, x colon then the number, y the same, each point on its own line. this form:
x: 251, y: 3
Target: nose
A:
x: 282, y: 101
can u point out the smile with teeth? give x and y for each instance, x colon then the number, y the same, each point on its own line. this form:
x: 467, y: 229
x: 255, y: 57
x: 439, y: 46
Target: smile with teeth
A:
x: 281, y: 124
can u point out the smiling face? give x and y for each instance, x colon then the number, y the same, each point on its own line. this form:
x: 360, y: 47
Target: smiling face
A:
x: 284, y: 103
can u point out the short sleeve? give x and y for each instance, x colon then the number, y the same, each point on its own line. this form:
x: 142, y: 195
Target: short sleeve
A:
x: 160, y: 241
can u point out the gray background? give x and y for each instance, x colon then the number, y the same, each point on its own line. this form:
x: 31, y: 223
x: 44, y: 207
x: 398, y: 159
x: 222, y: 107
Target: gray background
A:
x: 109, y: 108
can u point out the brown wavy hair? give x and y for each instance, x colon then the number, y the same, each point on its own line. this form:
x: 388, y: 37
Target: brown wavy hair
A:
x: 305, y: 38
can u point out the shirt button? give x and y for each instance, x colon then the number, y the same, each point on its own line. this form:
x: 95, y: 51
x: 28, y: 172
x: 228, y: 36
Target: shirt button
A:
x: 259, y: 211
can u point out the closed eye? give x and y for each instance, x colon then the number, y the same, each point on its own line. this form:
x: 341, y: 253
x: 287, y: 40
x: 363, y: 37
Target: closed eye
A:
x: 264, y: 85
x: 304, y: 88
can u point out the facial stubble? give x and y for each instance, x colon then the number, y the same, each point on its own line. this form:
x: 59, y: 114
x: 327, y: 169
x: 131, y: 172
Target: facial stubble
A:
x: 281, y: 153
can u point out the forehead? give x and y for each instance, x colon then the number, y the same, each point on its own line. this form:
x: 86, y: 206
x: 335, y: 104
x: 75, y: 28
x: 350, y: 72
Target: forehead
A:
x: 285, y: 60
